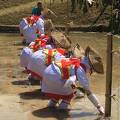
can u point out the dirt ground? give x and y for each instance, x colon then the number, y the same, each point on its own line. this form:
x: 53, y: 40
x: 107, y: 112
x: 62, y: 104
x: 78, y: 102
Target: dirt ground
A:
x: 18, y: 100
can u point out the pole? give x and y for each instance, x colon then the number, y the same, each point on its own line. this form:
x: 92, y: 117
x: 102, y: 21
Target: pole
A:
x: 108, y: 76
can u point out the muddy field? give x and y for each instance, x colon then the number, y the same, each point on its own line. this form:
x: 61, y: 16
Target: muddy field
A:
x: 31, y: 101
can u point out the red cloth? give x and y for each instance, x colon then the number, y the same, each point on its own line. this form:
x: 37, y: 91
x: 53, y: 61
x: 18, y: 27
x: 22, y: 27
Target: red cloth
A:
x: 35, y: 74
x: 57, y: 96
x: 32, y: 19
x: 38, y: 44
x: 60, y: 50
x: 49, y: 57
x: 65, y: 67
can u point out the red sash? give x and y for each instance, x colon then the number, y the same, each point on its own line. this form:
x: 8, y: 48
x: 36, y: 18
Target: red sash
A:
x: 65, y: 66
x: 65, y: 69
x: 49, y: 55
x: 38, y: 44
x: 33, y: 19
x: 61, y: 51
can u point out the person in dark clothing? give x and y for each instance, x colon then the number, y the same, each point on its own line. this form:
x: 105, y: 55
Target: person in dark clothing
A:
x: 37, y: 10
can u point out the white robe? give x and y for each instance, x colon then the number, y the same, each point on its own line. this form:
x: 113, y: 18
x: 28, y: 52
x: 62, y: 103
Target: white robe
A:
x: 22, y: 24
x: 37, y: 62
x: 53, y: 83
x: 40, y: 26
x: 29, y: 32
x: 25, y: 56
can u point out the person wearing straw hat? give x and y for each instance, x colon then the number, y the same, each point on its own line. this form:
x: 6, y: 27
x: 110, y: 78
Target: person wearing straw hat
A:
x: 59, y: 79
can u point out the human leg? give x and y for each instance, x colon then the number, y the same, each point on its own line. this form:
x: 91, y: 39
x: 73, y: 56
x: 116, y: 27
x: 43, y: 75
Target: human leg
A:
x: 52, y: 102
x: 64, y: 104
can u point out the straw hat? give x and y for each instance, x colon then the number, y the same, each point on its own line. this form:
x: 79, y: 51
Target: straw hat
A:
x: 78, y: 51
x: 61, y: 40
x: 48, y: 25
x: 48, y: 12
x: 95, y: 60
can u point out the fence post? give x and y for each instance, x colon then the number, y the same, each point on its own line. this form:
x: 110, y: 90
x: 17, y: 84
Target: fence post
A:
x: 108, y: 76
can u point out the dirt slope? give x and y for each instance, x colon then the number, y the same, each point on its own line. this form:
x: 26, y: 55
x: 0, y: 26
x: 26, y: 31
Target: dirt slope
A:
x: 14, y: 13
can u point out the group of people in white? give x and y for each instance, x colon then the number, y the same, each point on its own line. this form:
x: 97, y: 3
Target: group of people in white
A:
x: 51, y: 59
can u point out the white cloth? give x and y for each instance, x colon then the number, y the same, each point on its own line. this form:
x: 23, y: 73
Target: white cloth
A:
x: 85, y: 61
x: 53, y: 82
x: 37, y: 62
x: 22, y: 24
x: 49, y: 47
x: 29, y: 32
x: 82, y: 78
x: 40, y: 26
x: 25, y: 57
x: 81, y: 74
x: 31, y: 44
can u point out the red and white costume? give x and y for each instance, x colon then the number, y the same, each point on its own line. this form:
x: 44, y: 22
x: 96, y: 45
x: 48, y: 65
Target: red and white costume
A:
x: 58, y: 79
x: 33, y: 47
x: 42, y: 58
x: 30, y: 27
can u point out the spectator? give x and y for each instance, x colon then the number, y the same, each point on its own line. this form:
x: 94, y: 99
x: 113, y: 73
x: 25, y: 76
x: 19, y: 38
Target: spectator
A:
x: 37, y: 10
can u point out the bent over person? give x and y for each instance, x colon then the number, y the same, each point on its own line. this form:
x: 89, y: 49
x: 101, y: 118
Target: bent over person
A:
x: 59, y: 80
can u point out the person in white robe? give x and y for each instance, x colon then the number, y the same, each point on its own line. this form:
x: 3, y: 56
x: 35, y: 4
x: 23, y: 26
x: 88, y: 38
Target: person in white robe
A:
x: 30, y: 31
x: 27, y: 52
x: 58, y: 88
x: 39, y: 61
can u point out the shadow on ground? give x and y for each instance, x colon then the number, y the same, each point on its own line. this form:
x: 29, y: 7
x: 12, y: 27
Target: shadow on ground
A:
x: 20, y: 82
x: 62, y: 114
x: 51, y: 112
x: 26, y: 82
x: 18, y: 44
x: 35, y: 94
